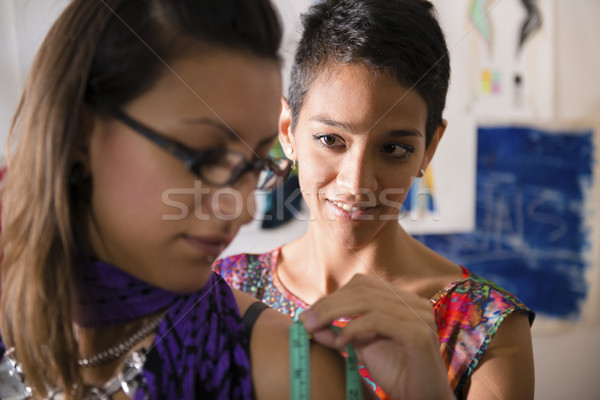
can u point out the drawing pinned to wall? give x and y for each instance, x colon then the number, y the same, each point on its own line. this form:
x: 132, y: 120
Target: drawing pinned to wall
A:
x: 479, y: 12
x: 511, y: 59
x: 490, y: 81
x: 421, y: 200
x: 532, y: 22
x: 531, y: 236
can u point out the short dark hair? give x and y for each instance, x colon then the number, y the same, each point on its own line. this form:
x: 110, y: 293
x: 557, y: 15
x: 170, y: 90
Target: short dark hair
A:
x: 399, y: 37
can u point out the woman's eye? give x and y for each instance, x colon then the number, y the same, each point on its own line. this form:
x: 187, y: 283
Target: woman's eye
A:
x: 397, y: 150
x: 327, y: 140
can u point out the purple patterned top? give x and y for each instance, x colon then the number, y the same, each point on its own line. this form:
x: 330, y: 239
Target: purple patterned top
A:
x: 200, y: 350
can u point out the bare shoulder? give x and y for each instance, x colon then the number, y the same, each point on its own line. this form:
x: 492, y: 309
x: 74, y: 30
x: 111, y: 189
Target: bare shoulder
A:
x: 269, y: 353
x: 243, y: 300
x: 506, y: 370
x: 434, y: 272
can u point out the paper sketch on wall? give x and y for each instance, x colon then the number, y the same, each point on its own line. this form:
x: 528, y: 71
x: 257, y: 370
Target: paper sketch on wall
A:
x: 511, y: 59
x: 479, y: 13
x: 533, y: 204
x: 421, y: 200
x: 531, y: 23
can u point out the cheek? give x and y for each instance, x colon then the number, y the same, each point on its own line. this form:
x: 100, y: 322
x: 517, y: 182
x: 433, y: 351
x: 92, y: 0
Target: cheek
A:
x: 315, y: 166
x: 127, y: 185
x: 313, y: 176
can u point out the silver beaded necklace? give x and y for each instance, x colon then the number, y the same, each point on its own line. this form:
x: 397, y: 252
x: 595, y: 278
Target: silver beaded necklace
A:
x: 129, y: 378
x: 119, y: 349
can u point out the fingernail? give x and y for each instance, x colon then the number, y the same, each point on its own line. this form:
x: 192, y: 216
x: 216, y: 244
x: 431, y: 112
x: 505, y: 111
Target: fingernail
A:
x: 309, y: 317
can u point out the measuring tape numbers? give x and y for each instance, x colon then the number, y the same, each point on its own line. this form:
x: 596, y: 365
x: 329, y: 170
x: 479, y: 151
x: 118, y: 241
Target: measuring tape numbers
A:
x: 300, y: 366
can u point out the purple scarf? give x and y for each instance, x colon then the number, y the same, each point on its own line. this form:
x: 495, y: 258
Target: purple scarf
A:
x: 200, y: 350
x: 110, y: 296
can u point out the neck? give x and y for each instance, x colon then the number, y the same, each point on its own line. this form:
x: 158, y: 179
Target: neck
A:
x: 318, y: 264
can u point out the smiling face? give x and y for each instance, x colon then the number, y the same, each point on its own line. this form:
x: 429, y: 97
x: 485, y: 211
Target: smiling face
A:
x: 149, y: 215
x: 359, y: 141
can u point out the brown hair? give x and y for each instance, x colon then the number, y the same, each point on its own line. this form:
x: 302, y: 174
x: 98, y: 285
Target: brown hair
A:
x: 97, y: 52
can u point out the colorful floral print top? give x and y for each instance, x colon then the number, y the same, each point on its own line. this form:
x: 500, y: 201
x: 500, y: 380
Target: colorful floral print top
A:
x: 468, y: 312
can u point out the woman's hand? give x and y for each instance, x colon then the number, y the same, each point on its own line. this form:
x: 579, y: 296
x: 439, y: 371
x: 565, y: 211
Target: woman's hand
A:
x: 393, y: 332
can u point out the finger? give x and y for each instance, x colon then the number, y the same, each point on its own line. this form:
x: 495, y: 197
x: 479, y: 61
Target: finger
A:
x: 404, y: 306
x: 326, y: 337
x: 331, y: 338
x: 375, y: 325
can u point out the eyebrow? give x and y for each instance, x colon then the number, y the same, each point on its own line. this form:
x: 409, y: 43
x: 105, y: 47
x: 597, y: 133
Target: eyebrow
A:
x: 405, y: 132
x: 215, y: 124
x: 230, y: 133
x: 346, y: 127
x: 332, y: 123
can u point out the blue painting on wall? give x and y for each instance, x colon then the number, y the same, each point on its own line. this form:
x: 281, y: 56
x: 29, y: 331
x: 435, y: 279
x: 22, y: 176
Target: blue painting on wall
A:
x: 531, y: 235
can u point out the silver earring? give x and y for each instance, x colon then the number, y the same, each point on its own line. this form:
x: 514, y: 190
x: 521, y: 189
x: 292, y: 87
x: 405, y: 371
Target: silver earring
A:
x: 288, y: 151
x: 293, y: 165
x: 421, y: 173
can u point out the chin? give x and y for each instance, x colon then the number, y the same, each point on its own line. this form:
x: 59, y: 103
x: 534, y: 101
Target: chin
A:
x: 353, y: 239
x: 185, y: 281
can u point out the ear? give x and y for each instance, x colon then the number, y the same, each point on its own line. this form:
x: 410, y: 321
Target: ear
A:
x: 286, y: 137
x: 81, y: 150
x: 435, y: 140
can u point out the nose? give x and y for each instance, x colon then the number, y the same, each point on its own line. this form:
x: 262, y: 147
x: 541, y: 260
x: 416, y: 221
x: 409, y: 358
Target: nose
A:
x: 357, y: 173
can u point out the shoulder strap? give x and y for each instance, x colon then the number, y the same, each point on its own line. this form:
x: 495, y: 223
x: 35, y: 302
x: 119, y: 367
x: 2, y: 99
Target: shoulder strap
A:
x: 251, y: 315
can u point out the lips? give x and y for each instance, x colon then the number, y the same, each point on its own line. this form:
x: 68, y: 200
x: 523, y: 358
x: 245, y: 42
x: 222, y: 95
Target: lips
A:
x: 349, y: 207
x: 350, y: 211
x: 209, y: 245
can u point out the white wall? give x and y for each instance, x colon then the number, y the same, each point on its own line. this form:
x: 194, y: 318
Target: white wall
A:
x: 23, y: 24
x: 568, y: 357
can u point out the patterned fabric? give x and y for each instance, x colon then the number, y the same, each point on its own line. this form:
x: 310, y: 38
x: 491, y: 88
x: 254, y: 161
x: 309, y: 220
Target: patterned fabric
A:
x: 468, y: 312
x: 200, y: 350
x: 110, y: 296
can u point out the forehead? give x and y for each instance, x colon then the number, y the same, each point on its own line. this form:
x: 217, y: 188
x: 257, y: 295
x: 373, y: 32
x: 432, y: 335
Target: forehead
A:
x: 242, y: 91
x: 354, y: 92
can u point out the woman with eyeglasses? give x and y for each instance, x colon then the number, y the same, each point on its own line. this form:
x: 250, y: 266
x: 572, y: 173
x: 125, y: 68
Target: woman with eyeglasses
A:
x: 363, y: 118
x: 106, y: 288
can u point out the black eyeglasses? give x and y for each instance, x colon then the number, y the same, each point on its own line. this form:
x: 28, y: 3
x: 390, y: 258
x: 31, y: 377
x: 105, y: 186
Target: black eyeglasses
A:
x: 217, y: 167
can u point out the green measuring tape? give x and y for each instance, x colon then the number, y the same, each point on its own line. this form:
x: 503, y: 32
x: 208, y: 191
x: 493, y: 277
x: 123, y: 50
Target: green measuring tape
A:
x: 300, y: 366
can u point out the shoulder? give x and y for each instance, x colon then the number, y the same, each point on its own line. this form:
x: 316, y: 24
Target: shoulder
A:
x: 477, y: 294
x: 237, y: 264
x: 241, y: 260
x: 469, y: 314
x: 245, y: 271
x: 269, y: 354
x: 506, y: 369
